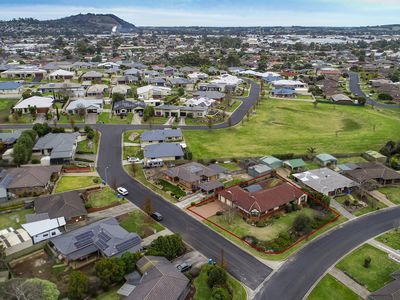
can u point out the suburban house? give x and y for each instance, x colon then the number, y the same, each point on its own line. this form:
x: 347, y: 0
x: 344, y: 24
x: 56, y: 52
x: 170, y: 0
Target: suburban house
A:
x: 92, y: 76
x: 259, y: 170
x: 61, y: 74
x: 9, y: 138
x: 325, y: 159
x: 126, y: 79
x: 152, y: 92
x: 163, y: 151
x: 298, y: 86
x: 341, y: 98
x: 102, y: 238
x: 10, y: 87
x: 121, y: 89
x: 42, y: 104
x: 25, y: 181
x: 160, y: 136
x: 68, y: 205
x: 295, y: 164
x: 97, y: 90
x: 218, y: 96
x: 373, y: 171
x: 272, y: 162
x: 206, y: 86
x: 66, y: 88
x: 24, y: 71
x: 193, y: 176
x: 283, y: 92
x: 167, y: 111
x: 85, y: 106
x: 59, y: 147
x: 123, y: 107
x: 326, y: 181
x: 14, y: 241
x: 258, y: 201
x: 372, y: 155
x: 42, y: 228
x: 158, y: 279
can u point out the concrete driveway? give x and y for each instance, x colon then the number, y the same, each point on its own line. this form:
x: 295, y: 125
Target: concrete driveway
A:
x: 91, y: 118
x: 194, y: 257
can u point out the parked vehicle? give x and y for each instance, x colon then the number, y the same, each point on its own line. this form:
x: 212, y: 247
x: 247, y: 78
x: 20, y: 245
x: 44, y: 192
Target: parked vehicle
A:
x: 123, y: 191
x: 156, y: 216
x: 153, y: 163
x: 185, y: 266
x: 132, y: 159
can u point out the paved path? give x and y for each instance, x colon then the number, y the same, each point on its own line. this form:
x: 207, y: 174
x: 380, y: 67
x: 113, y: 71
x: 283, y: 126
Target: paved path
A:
x: 113, y: 211
x: 336, y: 205
x: 384, y: 248
x: 193, y: 198
x: 136, y: 120
x: 91, y: 118
x: 349, y: 282
x: 128, y: 144
x: 381, y: 197
x: 170, y: 121
x: 182, y: 121
x: 85, y: 174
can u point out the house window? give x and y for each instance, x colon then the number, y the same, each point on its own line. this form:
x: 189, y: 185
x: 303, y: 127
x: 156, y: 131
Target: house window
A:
x: 53, y: 233
x: 45, y: 235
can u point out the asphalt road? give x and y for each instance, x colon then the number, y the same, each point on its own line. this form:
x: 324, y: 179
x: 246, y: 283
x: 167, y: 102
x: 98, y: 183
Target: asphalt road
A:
x: 240, y: 264
x: 293, y: 280
x: 354, y: 85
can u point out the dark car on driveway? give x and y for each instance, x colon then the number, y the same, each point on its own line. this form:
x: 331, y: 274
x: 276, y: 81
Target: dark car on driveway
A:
x: 156, y: 216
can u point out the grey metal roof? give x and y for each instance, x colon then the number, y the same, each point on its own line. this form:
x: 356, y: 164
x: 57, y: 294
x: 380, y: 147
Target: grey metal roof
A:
x: 61, y: 145
x: 161, y: 134
x: 209, y: 94
x: 106, y: 236
x: 9, y: 85
x: 10, y: 137
x: 163, y: 150
x: 190, y: 172
x: 125, y: 104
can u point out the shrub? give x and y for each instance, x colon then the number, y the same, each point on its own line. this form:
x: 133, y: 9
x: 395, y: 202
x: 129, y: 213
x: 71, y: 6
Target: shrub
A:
x: 216, y: 276
x: 35, y: 161
x: 78, y: 285
x: 220, y: 293
x: 169, y: 246
x: 109, y: 271
x: 367, y: 262
x: 302, y: 224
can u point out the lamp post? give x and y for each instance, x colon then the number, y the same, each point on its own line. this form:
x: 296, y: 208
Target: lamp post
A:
x: 106, y: 173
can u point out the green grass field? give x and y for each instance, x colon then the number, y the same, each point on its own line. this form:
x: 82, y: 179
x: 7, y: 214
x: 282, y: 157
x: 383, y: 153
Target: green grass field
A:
x: 104, y: 118
x: 204, y: 292
x: 391, y: 238
x: 83, y: 146
x: 69, y: 183
x: 392, y: 193
x: 378, y: 273
x: 5, y: 106
x: 139, y: 222
x: 331, y: 289
x: 104, y: 197
x: 291, y: 127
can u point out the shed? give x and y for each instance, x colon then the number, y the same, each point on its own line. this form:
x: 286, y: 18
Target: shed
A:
x: 259, y: 170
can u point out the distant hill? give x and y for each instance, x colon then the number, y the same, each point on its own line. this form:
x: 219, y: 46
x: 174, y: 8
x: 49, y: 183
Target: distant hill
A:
x: 78, y: 24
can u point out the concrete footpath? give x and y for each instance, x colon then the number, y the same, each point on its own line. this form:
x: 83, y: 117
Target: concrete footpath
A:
x: 350, y: 283
x: 147, y: 241
x: 336, y: 205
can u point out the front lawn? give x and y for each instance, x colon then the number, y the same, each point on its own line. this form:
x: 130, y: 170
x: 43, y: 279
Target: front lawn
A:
x: 5, y: 106
x: 66, y: 119
x: 139, y: 222
x: 88, y: 146
x: 291, y: 127
x: 14, y: 219
x: 204, y: 292
x: 391, y: 238
x: 157, y: 120
x: 102, y: 198
x: 173, y: 189
x: 234, y: 106
x: 104, y: 118
x: 376, y: 275
x: 356, y: 208
x: 269, y: 232
x: 69, y: 183
x: 392, y: 193
x: 133, y: 151
x: 329, y: 288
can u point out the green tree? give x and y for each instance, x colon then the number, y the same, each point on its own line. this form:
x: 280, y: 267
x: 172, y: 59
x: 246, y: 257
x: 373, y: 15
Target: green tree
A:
x: 46, y: 289
x: 41, y: 129
x: 129, y: 260
x: 109, y: 271
x: 302, y: 224
x: 169, y: 246
x: 220, y: 293
x: 78, y: 285
x: 216, y: 276
x: 117, y: 97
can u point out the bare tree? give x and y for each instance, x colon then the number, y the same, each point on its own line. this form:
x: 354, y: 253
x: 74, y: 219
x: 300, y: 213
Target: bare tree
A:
x: 148, y: 205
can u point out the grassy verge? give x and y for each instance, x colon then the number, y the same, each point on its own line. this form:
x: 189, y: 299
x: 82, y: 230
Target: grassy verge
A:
x: 234, y: 106
x: 139, y: 222
x: 204, y: 292
x: 329, y: 288
x: 376, y: 275
x: 69, y: 183
x: 391, y: 238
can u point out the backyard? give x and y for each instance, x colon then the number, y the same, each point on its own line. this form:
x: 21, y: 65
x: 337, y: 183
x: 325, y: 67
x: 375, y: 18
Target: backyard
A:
x: 376, y: 275
x: 331, y: 289
x: 291, y: 127
x: 392, y: 193
x: 139, y: 222
x: 69, y: 183
x: 14, y: 219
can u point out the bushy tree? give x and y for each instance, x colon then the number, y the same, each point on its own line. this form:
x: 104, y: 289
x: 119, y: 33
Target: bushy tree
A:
x: 22, y: 150
x: 169, y: 246
x: 302, y: 224
x: 148, y: 113
x: 129, y: 260
x: 220, y: 293
x: 41, y: 129
x: 117, y: 97
x: 216, y: 276
x: 109, y: 271
x: 78, y: 285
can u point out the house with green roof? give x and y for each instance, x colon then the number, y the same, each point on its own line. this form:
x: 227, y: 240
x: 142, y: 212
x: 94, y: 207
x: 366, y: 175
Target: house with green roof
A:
x: 325, y: 159
x: 272, y: 162
x: 296, y: 164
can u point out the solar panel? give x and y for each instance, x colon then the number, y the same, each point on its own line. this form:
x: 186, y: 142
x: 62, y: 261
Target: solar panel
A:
x: 102, y: 245
x: 85, y: 235
x: 83, y: 243
x: 103, y: 236
x: 128, y: 244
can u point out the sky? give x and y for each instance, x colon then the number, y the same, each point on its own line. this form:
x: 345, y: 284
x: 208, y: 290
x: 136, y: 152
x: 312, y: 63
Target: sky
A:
x: 216, y: 12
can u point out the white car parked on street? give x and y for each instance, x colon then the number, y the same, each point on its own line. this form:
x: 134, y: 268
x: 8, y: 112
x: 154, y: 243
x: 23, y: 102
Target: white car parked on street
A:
x: 122, y: 191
